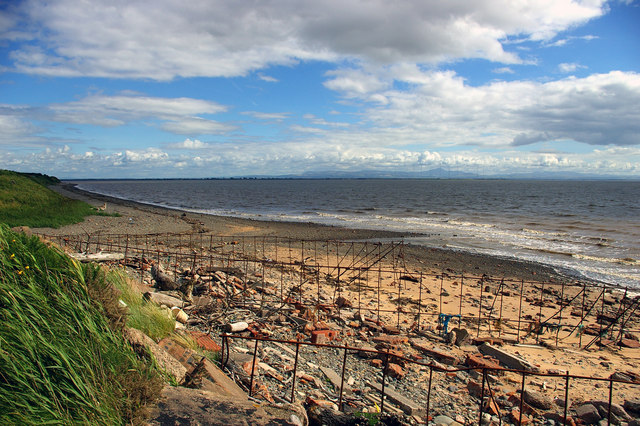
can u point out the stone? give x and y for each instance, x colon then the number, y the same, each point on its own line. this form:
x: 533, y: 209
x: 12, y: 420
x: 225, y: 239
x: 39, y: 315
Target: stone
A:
x: 537, y: 399
x: 394, y: 370
x: 180, y: 405
x: 141, y: 343
x: 616, y: 409
x: 517, y: 419
x: 509, y: 360
x: 632, y: 406
x: 588, y: 413
x: 426, y: 348
x: 335, y: 380
x: 442, y: 420
x: 481, y: 362
x: 409, y: 406
x: 462, y: 337
x: 394, y: 340
x: 629, y: 343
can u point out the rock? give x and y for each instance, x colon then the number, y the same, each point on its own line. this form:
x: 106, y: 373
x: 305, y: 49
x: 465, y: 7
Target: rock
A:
x: 632, y: 406
x: 326, y: 416
x: 179, y: 405
x: 509, y: 360
x: 342, y: 302
x: 442, y: 420
x: 629, y: 343
x: 588, y: 413
x: 394, y: 370
x: 616, y: 409
x: 462, y: 337
x: 140, y: 343
x: 537, y: 399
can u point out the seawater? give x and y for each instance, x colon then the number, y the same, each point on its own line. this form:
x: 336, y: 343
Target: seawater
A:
x: 590, y: 229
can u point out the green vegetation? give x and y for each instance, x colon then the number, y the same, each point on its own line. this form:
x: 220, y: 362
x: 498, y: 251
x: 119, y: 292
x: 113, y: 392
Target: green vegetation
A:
x: 62, y: 355
x: 143, y: 315
x: 25, y: 200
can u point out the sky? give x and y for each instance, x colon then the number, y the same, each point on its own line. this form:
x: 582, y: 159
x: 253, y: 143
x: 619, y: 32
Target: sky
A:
x: 212, y: 88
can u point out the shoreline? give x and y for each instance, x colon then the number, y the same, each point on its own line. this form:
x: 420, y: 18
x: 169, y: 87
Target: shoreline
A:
x: 141, y: 218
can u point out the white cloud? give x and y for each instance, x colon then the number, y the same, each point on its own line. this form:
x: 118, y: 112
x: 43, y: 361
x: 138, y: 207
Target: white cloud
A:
x: 165, y: 39
x: 569, y: 67
x: 270, y: 116
x: 189, y: 144
x: 179, y: 115
x: 442, y: 110
x: 503, y: 70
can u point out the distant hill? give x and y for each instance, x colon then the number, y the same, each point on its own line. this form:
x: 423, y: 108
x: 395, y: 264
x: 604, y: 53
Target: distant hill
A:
x: 25, y: 200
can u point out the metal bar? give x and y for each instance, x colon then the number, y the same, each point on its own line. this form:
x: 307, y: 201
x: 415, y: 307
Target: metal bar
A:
x: 295, y: 369
x: 384, y: 376
x: 484, y: 377
x: 344, y: 366
x: 253, y: 367
x: 521, y: 398
x: 429, y: 391
x: 566, y: 398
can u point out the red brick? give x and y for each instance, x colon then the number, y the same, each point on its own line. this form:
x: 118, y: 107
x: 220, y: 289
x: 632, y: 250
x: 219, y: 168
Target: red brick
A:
x: 481, y: 362
x: 394, y: 370
x: 391, y: 340
x: 323, y: 336
x: 205, y: 341
x: 515, y: 417
x: 376, y: 362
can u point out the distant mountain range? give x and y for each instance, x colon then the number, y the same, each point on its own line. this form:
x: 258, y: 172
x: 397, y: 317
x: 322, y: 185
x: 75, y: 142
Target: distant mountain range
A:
x: 438, y: 173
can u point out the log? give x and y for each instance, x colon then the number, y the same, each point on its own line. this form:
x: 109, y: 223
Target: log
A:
x: 162, y: 279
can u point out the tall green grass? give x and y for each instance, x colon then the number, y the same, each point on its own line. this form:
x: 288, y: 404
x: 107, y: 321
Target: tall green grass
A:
x: 143, y: 315
x: 61, y: 361
x: 25, y: 200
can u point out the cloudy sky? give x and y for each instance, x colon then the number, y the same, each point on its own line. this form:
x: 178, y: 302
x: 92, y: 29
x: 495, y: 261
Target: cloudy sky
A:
x: 214, y: 88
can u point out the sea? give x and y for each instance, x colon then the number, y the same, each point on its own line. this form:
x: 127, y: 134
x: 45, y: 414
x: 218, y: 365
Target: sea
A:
x: 587, y: 229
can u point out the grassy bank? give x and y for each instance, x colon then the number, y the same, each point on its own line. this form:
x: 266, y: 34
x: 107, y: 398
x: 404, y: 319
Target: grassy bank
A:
x: 62, y: 355
x: 25, y: 200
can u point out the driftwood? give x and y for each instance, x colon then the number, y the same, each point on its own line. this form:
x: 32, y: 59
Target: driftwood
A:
x: 162, y: 279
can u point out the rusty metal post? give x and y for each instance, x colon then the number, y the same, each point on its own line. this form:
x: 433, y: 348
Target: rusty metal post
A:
x: 540, y: 312
x: 566, y: 397
x: 520, y: 309
x: 295, y: 369
x: 419, y: 299
x: 253, y: 368
x: 384, y: 376
x: 484, y: 378
x: 610, y: 400
x: 461, y: 296
x: 521, y: 397
x: 344, y: 366
x: 560, y: 315
x: 584, y: 295
x: 429, y: 391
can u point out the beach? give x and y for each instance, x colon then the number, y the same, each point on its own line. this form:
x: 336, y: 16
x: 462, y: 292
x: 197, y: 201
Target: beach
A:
x: 391, y: 290
x: 138, y: 219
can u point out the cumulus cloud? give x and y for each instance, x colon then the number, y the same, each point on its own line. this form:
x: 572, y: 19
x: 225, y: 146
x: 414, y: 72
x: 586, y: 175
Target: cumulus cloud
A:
x: 442, y: 110
x: 165, y: 39
x: 189, y: 144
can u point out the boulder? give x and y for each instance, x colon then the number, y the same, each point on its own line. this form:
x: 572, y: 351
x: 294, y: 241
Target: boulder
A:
x: 141, y: 343
x: 163, y: 280
x: 588, y: 413
x: 537, y: 399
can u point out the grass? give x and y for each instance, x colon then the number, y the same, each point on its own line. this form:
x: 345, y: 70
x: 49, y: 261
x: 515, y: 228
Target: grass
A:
x: 63, y: 359
x: 25, y: 200
x: 143, y: 315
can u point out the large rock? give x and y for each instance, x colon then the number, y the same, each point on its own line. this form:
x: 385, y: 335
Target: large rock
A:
x: 537, y: 399
x: 184, y: 406
x: 509, y: 360
x: 588, y: 413
x: 140, y: 343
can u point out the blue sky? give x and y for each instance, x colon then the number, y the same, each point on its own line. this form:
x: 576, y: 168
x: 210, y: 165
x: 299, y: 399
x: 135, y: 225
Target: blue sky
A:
x: 207, y: 88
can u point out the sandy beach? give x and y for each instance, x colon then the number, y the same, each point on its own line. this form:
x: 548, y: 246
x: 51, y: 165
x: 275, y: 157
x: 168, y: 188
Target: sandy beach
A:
x: 496, y: 297
x: 138, y: 219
